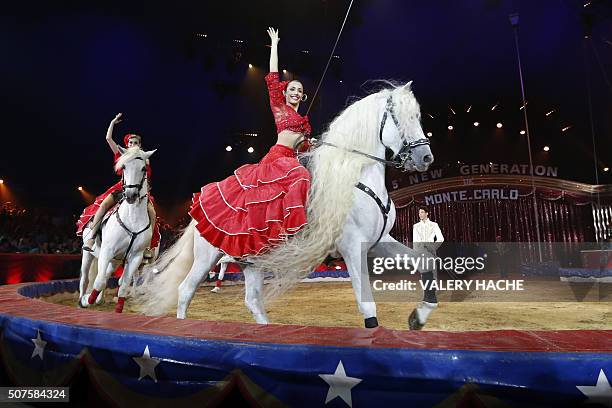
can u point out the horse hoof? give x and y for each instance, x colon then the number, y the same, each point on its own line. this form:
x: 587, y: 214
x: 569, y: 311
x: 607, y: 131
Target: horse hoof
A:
x: 413, y: 321
x: 83, y: 304
x: 371, y: 322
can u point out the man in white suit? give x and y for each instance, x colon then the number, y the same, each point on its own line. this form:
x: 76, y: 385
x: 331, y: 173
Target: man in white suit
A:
x: 426, y: 237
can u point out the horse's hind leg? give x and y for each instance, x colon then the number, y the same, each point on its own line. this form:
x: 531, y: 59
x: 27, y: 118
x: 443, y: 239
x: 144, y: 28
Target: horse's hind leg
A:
x: 205, y: 256
x: 253, y: 298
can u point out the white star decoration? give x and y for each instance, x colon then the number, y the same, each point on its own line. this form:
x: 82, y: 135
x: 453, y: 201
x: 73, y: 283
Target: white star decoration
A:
x: 600, y: 393
x: 340, y: 385
x: 39, y: 346
x: 147, y: 364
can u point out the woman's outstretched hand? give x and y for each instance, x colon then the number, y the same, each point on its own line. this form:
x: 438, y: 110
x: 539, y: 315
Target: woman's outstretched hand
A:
x: 117, y: 119
x: 273, y: 35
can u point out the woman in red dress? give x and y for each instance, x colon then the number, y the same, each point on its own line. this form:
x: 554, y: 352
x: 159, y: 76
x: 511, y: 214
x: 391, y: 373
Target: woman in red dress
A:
x: 95, y: 212
x: 261, y: 204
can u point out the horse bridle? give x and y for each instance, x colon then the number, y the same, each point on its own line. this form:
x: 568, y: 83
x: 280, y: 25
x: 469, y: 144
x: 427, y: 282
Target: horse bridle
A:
x: 403, y: 155
x: 138, y: 186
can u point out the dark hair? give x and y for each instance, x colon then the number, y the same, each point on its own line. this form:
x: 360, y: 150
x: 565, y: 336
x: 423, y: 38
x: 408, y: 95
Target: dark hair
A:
x: 424, y: 208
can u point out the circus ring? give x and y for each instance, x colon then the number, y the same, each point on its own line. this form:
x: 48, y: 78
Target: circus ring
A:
x: 122, y: 360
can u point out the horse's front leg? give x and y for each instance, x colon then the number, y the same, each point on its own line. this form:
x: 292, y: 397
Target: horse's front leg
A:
x: 86, y: 262
x: 105, y: 269
x: 353, y: 257
x: 253, y: 298
x: 131, y: 265
x: 420, y: 314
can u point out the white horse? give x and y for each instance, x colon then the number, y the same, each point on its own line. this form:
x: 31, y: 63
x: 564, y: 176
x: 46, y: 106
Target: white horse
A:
x: 125, y: 235
x: 348, y: 207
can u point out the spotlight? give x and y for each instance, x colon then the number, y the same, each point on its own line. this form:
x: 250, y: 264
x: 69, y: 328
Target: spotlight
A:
x: 250, y: 65
x: 429, y: 134
x: 450, y: 127
x: 549, y: 113
x: 469, y: 109
x: 1, y: 181
x: 250, y: 150
x: 606, y: 169
x: 284, y: 71
x: 476, y: 124
x: 522, y: 132
x: 565, y: 129
x: 499, y: 125
x: 80, y: 188
x: 430, y: 115
x: 494, y: 106
x: 228, y: 148
x: 340, y: 81
x: 546, y: 148
x: 452, y: 110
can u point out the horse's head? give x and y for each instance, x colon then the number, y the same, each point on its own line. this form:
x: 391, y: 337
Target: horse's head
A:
x: 400, y: 130
x: 133, y: 164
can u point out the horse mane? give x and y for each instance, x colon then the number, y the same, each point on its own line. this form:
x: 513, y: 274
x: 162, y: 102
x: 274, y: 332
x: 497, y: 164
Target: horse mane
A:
x: 334, y: 174
x: 128, y: 155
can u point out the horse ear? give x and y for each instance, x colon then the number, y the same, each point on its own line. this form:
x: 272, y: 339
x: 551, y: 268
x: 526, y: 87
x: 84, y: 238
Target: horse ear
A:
x: 121, y: 149
x: 407, y: 86
x: 149, y: 153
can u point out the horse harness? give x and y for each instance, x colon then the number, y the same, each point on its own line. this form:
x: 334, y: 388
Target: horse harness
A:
x: 133, y: 235
x: 403, y: 155
x: 384, y: 209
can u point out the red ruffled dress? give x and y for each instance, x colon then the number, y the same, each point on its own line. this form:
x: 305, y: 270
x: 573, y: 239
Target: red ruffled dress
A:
x: 261, y: 204
x: 90, y: 211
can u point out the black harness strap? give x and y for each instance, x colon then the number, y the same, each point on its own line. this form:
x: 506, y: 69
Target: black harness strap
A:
x: 383, y: 209
x: 133, y: 235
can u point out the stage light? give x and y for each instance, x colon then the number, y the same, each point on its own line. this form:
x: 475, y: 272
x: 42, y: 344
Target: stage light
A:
x: 565, y: 129
x: 549, y: 113
x: 452, y: 110
x: 284, y: 71
x: 523, y: 107
x: 80, y: 188
x: 522, y: 132
x: 250, y: 150
x: 499, y: 125
x: 546, y: 148
x: 306, y: 51
x: 450, y: 127
x: 336, y: 56
x: 494, y: 106
x: 1, y: 181
x: 606, y: 169
x: 228, y: 148
x: 429, y: 134
x: 476, y: 124
x: 338, y: 267
x: 340, y: 81
x: 469, y: 109
x: 250, y: 65
x: 430, y: 115
x: 587, y: 4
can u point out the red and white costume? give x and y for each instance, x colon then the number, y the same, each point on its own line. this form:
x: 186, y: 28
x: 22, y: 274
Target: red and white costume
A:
x: 90, y: 211
x: 261, y: 204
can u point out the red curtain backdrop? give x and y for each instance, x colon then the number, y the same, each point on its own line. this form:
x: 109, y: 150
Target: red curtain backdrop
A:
x: 561, y: 219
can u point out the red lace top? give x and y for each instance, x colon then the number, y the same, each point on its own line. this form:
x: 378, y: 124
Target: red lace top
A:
x: 285, y: 117
x: 120, y: 171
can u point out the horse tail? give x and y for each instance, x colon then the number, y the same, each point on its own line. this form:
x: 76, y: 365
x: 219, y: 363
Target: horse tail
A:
x: 158, y: 293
